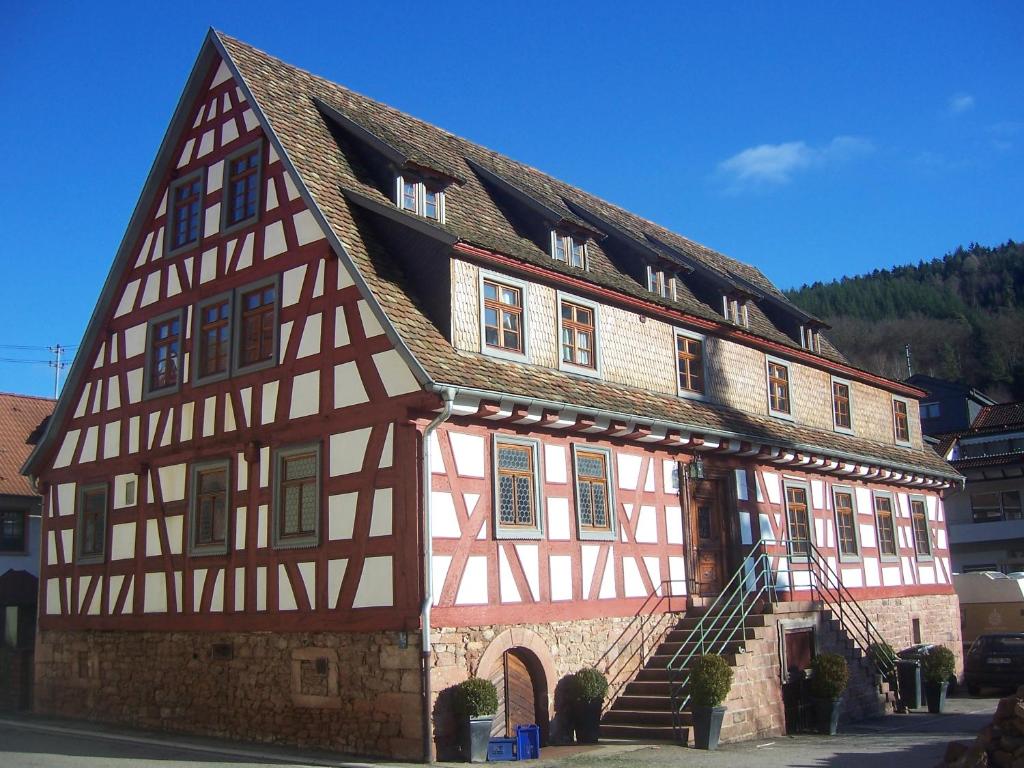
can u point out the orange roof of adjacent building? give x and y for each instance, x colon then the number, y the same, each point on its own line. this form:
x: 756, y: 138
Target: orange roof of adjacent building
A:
x: 20, y: 418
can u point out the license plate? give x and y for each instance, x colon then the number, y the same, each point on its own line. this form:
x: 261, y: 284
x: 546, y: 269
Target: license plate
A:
x: 998, y: 660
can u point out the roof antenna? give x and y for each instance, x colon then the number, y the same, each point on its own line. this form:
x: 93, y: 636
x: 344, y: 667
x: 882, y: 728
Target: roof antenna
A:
x: 910, y: 367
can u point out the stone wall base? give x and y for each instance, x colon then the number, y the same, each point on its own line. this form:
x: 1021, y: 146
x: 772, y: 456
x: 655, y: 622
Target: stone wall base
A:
x: 358, y: 693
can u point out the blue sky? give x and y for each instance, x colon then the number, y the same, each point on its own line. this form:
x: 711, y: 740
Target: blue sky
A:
x: 813, y: 139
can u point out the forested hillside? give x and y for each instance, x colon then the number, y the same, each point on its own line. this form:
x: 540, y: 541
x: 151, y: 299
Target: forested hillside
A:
x: 962, y: 315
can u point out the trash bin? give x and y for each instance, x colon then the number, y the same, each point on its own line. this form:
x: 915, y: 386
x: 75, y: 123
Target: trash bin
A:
x: 528, y: 742
x: 908, y: 672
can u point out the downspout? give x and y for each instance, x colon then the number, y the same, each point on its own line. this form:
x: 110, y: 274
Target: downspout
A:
x: 448, y: 395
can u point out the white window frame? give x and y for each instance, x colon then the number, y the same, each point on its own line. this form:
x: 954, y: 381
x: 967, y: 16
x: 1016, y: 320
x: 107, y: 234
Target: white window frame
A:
x: 768, y: 359
x: 930, y: 556
x: 847, y: 558
x: 568, y: 241
x: 523, y: 287
x: 892, y: 415
x: 595, y: 372
x: 420, y: 188
x: 518, y: 532
x: 596, y: 535
x: 833, y: 380
x: 677, y: 332
x: 809, y: 499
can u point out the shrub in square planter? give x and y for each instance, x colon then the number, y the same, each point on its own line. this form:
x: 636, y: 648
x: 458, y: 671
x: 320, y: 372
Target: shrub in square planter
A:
x: 830, y: 675
x: 937, y: 667
x: 476, y: 702
x: 589, y: 687
x: 710, y: 681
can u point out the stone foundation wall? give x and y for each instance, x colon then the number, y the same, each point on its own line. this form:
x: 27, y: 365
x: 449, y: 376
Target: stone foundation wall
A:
x: 616, y: 646
x: 755, y: 706
x: 355, y: 693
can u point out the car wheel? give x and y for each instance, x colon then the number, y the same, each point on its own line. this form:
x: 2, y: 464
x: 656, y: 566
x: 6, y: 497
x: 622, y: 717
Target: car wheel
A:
x: 974, y: 690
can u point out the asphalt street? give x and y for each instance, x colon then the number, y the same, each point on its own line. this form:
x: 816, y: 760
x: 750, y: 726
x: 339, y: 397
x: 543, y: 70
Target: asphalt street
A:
x: 896, y: 741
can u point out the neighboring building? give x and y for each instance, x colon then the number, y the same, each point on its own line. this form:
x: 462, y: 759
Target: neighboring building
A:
x: 21, y: 420
x: 986, y: 518
x: 365, y: 409
x: 949, y: 406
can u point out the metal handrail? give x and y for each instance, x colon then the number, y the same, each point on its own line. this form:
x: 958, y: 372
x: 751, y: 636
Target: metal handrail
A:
x: 754, y: 578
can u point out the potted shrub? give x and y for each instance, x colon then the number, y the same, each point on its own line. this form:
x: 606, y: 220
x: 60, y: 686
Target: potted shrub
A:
x: 589, y: 688
x: 710, y: 681
x: 476, y: 701
x: 829, y: 677
x: 937, y: 667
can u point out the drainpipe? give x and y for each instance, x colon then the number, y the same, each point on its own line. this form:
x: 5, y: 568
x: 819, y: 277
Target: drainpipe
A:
x: 448, y: 395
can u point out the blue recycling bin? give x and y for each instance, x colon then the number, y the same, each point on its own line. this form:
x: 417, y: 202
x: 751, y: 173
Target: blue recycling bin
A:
x: 528, y: 742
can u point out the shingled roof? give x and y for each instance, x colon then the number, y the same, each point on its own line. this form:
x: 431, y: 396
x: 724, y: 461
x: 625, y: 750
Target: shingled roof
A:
x: 993, y: 418
x: 288, y: 98
x: 21, y: 417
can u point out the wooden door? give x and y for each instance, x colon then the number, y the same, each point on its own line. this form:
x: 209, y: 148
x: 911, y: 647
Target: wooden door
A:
x: 517, y: 703
x: 708, y: 536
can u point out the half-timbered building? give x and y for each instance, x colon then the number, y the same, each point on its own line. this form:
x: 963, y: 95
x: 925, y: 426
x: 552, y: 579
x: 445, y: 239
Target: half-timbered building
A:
x: 365, y: 409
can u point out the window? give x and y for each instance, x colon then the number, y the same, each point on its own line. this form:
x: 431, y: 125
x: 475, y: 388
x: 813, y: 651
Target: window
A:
x: 919, y: 522
x: 798, y: 515
x: 930, y: 410
x: 842, y: 417
x: 503, y: 316
x: 997, y: 505
x: 810, y: 338
x: 297, y: 497
x: 846, y: 523
x: 690, y: 364
x: 91, y: 536
x: 421, y: 198
x: 516, y: 489
x: 256, y: 337
x: 571, y: 249
x: 213, y: 339
x: 735, y: 311
x: 12, y: 530
x: 209, y: 508
x: 661, y: 283
x: 577, y: 322
x: 242, y: 190
x: 886, y: 526
x: 901, y: 424
x: 186, y: 203
x: 595, y: 507
x: 778, y: 388
x: 163, y: 354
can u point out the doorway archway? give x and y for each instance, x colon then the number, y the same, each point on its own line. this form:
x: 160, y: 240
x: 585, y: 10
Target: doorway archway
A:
x: 523, y: 672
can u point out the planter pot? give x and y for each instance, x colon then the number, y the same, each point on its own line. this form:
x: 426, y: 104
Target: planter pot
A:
x: 586, y: 717
x: 826, y: 715
x: 707, y: 725
x: 936, y: 695
x: 476, y: 732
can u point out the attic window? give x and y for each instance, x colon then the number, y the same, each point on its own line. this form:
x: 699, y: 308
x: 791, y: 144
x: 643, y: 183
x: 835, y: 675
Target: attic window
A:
x: 810, y: 338
x: 570, y: 249
x: 735, y: 311
x: 418, y: 197
x: 660, y: 283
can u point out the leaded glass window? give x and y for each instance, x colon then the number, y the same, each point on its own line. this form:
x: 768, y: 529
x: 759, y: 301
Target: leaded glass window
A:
x: 798, y: 512
x: 517, y: 506
x: 919, y: 519
x: 592, y: 491
x: 846, y: 523
x: 886, y: 526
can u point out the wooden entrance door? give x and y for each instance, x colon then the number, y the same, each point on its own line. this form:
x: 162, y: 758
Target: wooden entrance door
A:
x: 708, y: 536
x: 517, y: 702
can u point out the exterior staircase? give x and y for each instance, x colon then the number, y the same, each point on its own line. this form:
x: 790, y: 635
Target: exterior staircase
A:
x: 643, y: 710
x: 740, y: 625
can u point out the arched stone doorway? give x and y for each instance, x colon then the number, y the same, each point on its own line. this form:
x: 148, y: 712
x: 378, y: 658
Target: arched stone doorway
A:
x: 522, y: 669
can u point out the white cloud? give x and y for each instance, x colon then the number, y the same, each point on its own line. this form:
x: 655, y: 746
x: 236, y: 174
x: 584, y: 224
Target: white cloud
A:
x: 778, y: 163
x: 960, y: 102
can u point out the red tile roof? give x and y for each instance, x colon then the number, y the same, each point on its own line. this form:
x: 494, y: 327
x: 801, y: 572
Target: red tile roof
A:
x: 20, y: 417
x: 1002, y: 416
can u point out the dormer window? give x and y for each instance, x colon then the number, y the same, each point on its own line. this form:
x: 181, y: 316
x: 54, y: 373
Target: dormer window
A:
x: 735, y: 311
x: 570, y: 249
x: 660, y: 283
x: 421, y: 198
x: 810, y: 338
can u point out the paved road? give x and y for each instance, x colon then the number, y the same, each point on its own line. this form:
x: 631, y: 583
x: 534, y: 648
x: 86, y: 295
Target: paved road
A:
x: 897, y: 741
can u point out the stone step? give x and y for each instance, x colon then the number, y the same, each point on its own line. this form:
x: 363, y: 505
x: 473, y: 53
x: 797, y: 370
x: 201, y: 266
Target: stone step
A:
x: 752, y: 620
x: 644, y: 733
x: 643, y: 700
x: 638, y: 717
x: 690, y: 636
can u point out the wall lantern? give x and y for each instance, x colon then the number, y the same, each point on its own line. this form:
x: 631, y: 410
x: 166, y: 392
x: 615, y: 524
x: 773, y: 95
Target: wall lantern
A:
x: 696, y: 469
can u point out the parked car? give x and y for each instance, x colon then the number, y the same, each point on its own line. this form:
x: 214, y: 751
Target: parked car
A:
x: 995, y: 661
